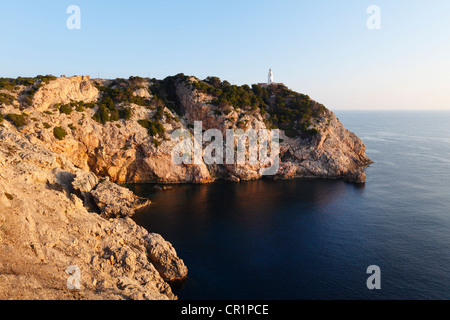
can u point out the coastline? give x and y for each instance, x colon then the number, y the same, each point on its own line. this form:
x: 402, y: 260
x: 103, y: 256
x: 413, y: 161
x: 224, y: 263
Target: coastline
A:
x: 60, y: 191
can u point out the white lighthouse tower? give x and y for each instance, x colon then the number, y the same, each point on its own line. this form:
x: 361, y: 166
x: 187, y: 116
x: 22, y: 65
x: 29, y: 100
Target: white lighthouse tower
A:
x: 270, y: 77
x: 270, y: 81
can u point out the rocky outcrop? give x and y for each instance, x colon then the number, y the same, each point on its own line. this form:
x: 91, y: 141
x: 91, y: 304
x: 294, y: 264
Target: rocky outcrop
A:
x: 45, y: 228
x: 115, y: 201
x: 124, y: 151
x: 165, y: 258
x: 334, y: 152
x: 60, y: 206
x: 65, y: 90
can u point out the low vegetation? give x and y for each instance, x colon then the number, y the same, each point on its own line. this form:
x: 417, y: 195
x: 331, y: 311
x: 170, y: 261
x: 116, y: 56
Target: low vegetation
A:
x: 280, y: 107
x: 78, y: 106
x: 154, y: 128
x: 119, y: 92
x: 17, y: 120
x: 65, y: 108
x: 11, y: 84
x: 29, y: 86
x: 164, y: 92
x: 6, y: 99
x: 59, y: 133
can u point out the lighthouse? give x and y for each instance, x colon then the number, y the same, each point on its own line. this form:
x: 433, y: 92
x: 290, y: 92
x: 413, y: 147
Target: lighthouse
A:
x: 270, y: 81
x: 270, y: 77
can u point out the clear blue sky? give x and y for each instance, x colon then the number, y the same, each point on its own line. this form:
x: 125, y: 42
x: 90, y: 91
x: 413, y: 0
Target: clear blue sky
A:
x: 320, y: 48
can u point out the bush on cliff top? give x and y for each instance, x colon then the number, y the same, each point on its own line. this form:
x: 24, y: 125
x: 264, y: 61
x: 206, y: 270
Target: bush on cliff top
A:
x: 119, y: 91
x: 6, y: 99
x: 10, y: 83
x: 34, y: 85
x: 280, y: 107
x: 164, y: 92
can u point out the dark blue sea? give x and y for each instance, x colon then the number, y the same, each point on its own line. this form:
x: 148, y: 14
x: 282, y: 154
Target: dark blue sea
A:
x: 313, y: 238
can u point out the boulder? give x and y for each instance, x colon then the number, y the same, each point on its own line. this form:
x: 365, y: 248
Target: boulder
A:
x: 115, y: 201
x: 164, y: 257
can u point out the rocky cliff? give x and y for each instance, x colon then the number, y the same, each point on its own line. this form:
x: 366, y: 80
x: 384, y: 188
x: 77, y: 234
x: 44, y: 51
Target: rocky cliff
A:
x: 46, y: 226
x: 121, y: 129
x: 66, y: 142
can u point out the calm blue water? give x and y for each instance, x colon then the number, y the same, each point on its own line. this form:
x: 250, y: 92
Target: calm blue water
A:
x: 314, y: 239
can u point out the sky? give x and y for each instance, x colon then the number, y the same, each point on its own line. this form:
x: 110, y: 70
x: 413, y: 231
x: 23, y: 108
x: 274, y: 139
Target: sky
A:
x: 321, y: 48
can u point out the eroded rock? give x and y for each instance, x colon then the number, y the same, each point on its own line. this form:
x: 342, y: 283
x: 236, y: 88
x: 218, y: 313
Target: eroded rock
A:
x: 165, y: 258
x: 45, y: 228
x: 115, y: 201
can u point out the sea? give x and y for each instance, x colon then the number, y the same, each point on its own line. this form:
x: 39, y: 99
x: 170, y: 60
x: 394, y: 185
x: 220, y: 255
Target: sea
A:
x: 318, y: 239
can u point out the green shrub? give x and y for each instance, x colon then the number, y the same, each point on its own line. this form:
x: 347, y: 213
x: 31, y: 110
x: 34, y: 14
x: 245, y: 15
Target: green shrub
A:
x: 79, y: 108
x: 17, y: 119
x: 102, y: 115
x: 59, y: 133
x: 153, y: 127
x: 35, y: 86
x: 8, y: 84
x: 6, y: 99
x: 165, y: 94
x: 89, y: 105
x: 290, y: 132
x: 121, y: 90
x: 66, y: 109
x: 12, y: 84
x: 107, y: 110
x: 114, y: 115
x: 313, y: 131
x: 46, y: 125
x: 156, y: 142
x: 126, y: 113
x: 289, y: 110
x: 47, y: 78
x: 263, y: 111
x: 171, y: 117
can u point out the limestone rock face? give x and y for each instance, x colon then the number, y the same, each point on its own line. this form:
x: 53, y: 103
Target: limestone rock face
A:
x: 115, y: 201
x: 165, y: 258
x: 124, y: 151
x: 85, y: 181
x: 334, y: 152
x: 60, y: 205
x: 65, y: 90
x: 45, y: 229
